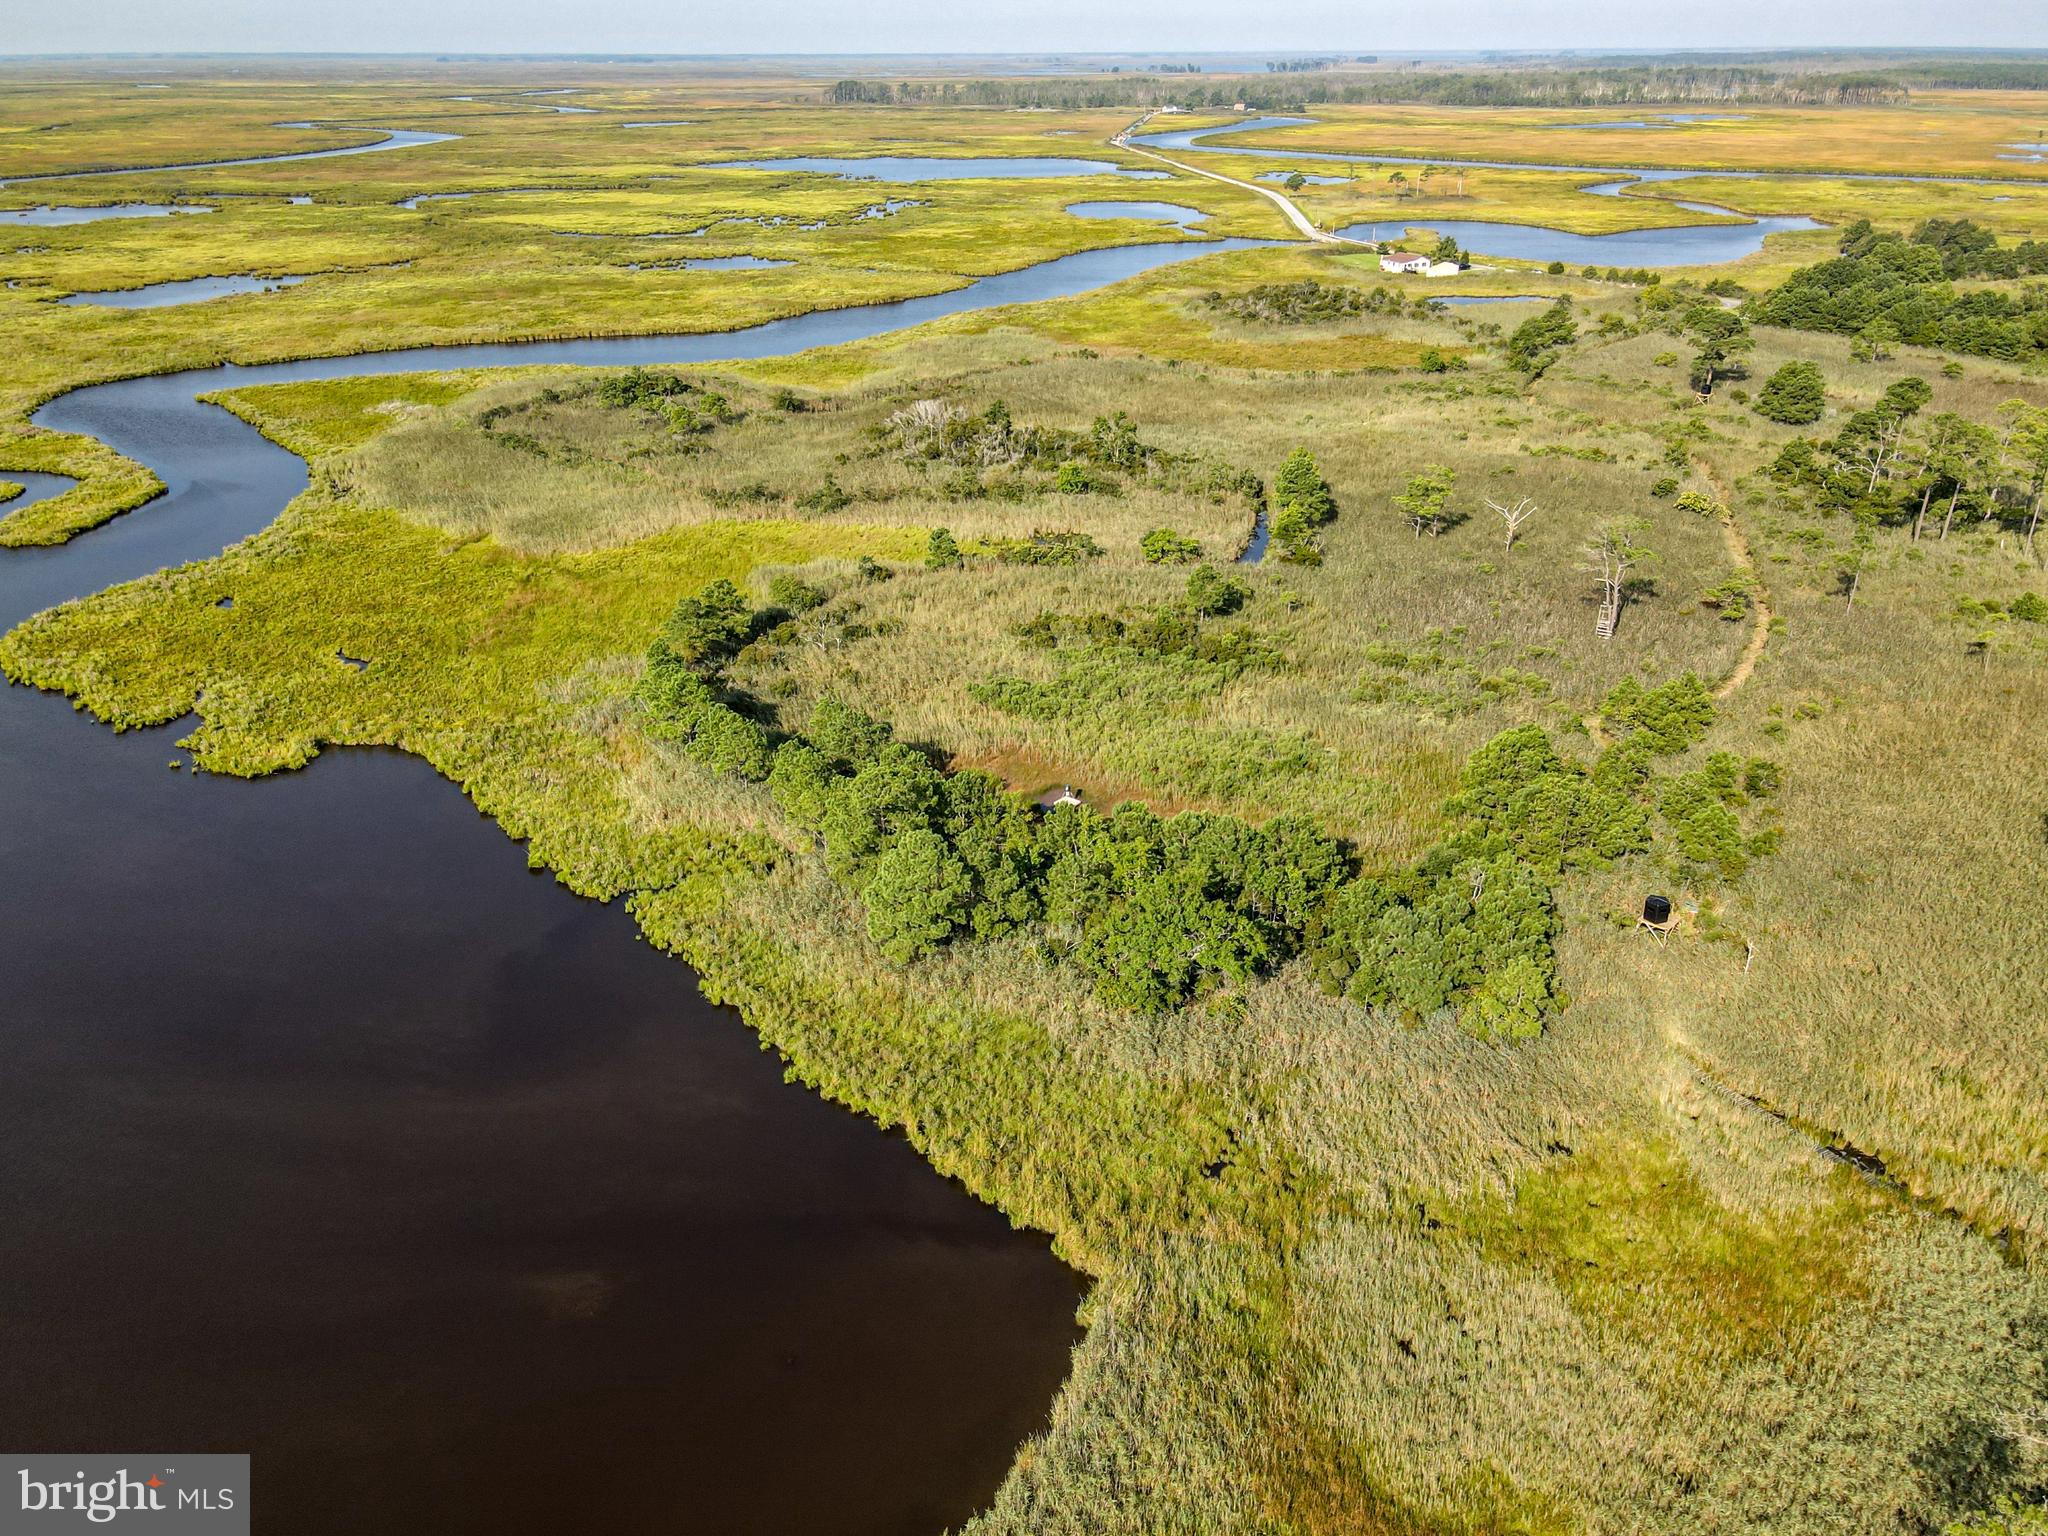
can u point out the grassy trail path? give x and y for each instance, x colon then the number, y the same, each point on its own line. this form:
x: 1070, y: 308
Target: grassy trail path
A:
x: 1761, y: 614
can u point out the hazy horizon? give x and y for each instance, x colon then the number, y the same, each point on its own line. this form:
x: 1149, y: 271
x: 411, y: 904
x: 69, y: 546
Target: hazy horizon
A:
x: 514, y: 28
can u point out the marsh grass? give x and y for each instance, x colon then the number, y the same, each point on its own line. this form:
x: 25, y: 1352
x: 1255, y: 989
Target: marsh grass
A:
x: 1352, y: 1274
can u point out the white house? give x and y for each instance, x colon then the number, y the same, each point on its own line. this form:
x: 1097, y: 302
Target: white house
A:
x: 1404, y: 261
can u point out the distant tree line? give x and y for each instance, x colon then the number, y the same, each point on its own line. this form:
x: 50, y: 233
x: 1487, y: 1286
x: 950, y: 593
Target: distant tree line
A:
x: 1286, y: 85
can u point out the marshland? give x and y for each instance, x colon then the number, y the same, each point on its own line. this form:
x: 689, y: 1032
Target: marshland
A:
x: 1300, y: 1133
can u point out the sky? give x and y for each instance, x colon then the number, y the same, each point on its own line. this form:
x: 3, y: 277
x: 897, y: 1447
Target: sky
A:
x: 965, y: 26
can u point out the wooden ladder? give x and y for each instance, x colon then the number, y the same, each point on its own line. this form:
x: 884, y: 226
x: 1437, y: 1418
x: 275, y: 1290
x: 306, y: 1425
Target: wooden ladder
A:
x: 1610, y: 620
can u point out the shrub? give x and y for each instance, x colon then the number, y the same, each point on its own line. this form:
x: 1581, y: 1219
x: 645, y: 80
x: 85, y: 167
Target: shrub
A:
x: 1162, y: 546
x: 639, y: 388
x: 2030, y: 607
x: 1795, y: 395
x: 794, y: 594
x: 1047, y: 547
x: 871, y: 569
x: 1670, y: 717
x: 1073, y: 479
x: 1539, y: 339
x: 1730, y: 596
x: 1706, y: 830
x: 1211, y: 594
x: 709, y: 625
x: 1474, y: 929
x: 728, y: 741
x: 826, y: 499
x: 847, y: 735
x: 940, y: 552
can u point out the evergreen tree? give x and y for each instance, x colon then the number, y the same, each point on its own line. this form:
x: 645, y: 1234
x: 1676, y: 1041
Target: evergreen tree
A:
x: 1795, y: 395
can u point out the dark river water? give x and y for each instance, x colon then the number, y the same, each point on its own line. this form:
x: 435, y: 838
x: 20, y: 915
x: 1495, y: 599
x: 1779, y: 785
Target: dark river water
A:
x: 334, y: 1135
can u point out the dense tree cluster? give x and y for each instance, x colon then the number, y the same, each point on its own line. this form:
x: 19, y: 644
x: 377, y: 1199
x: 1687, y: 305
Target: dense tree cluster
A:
x: 1310, y: 302
x: 990, y: 454
x: 687, y: 410
x: 1889, y: 465
x: 1158, y: 911
x: 1967, y: 248
x: 1890, y: 288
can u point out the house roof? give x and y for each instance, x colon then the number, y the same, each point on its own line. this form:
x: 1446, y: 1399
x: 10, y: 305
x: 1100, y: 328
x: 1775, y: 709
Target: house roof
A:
x: 1402, y: 256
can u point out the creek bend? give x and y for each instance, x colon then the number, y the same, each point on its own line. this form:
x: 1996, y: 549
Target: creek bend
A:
x: 337, y: 1136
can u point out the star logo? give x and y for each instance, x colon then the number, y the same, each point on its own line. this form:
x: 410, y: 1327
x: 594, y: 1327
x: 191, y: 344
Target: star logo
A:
x: 154, y: 1481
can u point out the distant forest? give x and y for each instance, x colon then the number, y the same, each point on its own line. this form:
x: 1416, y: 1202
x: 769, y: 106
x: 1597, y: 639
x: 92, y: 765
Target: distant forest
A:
x: 1293, y: 86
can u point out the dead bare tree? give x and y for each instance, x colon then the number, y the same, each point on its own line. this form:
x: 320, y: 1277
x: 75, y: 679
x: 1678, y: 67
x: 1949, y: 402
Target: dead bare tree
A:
x: 1610, y: 555
x: 1513, y: 517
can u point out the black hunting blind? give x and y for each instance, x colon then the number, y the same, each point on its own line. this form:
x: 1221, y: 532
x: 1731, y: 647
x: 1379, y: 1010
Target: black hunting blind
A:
x: 1657, y: 916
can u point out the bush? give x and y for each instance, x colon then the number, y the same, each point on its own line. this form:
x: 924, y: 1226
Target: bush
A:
x: 1670, y: 717
x: 728, y: 741
x: 639, y: 388
x: 871, y: 569
x: 795, y: 595
x: 2030, y: 607
x: 1479, y: 930
x: 1046, y: 547
x: 1539, y: 339
x: 708, y: 625
x: 1211, y: 594
x: 1795, y: 395
x: 1695, y: 805
x: 1162, y: 546
x: 940, y: 552
x: 845, y: 735
x: 1553, y: 813
x: 826, y: 499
